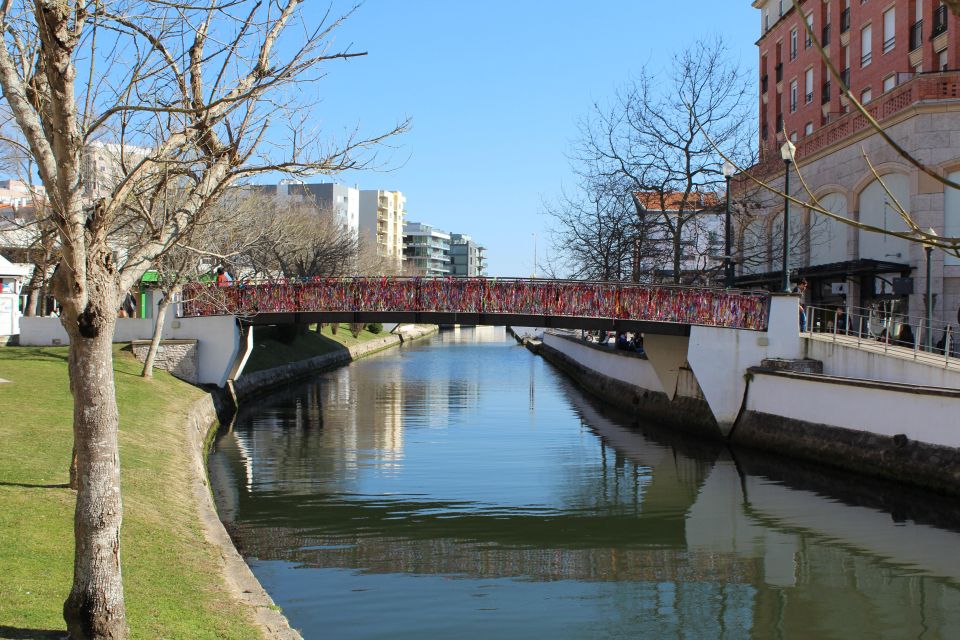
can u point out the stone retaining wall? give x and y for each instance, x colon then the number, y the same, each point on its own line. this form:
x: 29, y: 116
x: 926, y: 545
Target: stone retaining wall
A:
x: 180, y: 357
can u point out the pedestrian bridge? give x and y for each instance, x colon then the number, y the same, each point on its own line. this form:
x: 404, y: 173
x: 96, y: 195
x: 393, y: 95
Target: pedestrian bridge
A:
x: 666, y: 310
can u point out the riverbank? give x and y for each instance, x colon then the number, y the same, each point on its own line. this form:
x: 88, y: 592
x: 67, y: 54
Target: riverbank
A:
x: 172, y: 576
x: 182, y: 576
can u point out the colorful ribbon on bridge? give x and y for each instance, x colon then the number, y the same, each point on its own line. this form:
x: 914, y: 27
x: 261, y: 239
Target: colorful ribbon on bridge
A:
x: 709, y: 307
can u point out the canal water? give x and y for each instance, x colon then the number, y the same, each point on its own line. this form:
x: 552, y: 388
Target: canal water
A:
x: 463, y: 488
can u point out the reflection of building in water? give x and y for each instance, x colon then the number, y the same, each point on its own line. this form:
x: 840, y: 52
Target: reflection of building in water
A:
x: 473, y: 334
x: 830, y: 565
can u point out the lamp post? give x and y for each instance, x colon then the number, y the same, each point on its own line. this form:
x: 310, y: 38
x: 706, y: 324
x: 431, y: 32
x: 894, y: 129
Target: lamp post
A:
x: 534, y: 255
x: 928, y: 249
x: 728, y: 170
x: 787, y: 152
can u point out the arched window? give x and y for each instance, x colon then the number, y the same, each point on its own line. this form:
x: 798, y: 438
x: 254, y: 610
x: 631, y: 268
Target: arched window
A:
x: 828, y: 237
x: 878, y: 210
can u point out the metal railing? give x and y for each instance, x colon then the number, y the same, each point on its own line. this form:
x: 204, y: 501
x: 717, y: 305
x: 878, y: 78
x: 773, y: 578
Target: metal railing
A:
x: 537, y: 297
x: 879, y: 330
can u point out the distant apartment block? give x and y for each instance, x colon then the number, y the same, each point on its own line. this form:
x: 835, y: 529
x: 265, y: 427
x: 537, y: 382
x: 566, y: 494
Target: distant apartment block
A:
x: 467, y: 258
x: 426, y: 249
x: 103, y: 165
x: 341, y: 201
x: 381, y: 222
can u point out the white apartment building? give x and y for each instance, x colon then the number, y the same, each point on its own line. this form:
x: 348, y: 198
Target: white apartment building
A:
x: 104, y: 164
x: 381, y: 222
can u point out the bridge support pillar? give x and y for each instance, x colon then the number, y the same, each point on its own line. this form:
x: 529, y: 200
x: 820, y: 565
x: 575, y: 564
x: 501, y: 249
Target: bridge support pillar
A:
x: 720, y: 357
x: 667, y: 354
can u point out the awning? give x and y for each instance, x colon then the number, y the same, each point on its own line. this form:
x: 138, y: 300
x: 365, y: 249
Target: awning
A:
x: 838, y: 270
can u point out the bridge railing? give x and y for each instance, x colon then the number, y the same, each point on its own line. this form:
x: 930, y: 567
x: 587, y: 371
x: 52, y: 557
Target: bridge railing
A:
x: 536, y: 297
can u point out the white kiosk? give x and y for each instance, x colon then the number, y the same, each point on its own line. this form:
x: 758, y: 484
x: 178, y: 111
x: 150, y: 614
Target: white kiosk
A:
x: 11, y: 282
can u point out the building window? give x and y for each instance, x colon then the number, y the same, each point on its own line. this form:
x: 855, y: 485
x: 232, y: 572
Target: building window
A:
x: 793, y: 137
x: 793, y: 43
x: 793, y: 96
x: 807, y: 40
x: 807, y: 130
x: 866, y: 45
x: 942, y: 63
x: 866, y: 96
x: 889, y: 82
x: 889, y: 30
x: 766, y: 21
x: 781, y: 8
x: 808, y: 86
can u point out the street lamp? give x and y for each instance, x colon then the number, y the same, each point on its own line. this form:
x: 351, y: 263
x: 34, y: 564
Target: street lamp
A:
x: 787, y: 152
x: 728, y: 170
x: 928, y: 249
x: 534, y: 255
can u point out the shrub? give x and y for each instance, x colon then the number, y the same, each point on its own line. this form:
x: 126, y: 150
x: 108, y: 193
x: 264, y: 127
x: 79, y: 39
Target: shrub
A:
x: 375, y: 327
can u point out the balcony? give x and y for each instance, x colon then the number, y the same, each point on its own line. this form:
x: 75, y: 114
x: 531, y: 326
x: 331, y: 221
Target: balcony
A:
x: 927, y: 86
x: 825, y: 93
x: 779, y: 72
x: 763, y: 83
x: 939, y: 21
x: 845, y: 20
x: 916, y: 35
x: 825, y: 35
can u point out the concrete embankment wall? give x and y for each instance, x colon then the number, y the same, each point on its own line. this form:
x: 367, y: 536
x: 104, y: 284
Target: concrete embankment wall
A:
x: 201, y: 426
x: 907, y: 433
x: 629, y: 382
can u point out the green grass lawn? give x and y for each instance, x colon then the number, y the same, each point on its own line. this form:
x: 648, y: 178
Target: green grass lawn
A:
x: 171, y: 576
x: 269, y: 350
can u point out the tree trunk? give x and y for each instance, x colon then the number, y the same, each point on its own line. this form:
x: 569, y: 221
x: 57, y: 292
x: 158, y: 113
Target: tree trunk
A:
x: 157, y: 332
x: 95, y: 606
x: 34, y: 288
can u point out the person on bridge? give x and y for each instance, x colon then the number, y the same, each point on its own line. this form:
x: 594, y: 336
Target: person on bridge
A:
x: 801, y: 289
x: 223, y: 278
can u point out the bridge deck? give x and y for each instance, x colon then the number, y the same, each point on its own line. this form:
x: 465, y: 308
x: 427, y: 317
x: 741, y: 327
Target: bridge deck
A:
x: 547, y: 303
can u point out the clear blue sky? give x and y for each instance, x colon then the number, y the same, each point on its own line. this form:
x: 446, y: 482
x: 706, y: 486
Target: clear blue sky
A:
x: 495, y: 90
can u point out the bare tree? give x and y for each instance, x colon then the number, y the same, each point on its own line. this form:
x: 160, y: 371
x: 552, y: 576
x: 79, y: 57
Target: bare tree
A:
x: 654, y: 139
x: 310, y: 242
x: 189, y: 94
x: 595, y: 233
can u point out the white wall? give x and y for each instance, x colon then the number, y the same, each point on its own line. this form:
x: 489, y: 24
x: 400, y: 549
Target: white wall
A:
x: 925, y: 417
x: 849, y: 362
x: 217, y: 337
x: 218, y: 342
x: 635, y: 371
x: 45, y: 331
x: 720, y: 357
